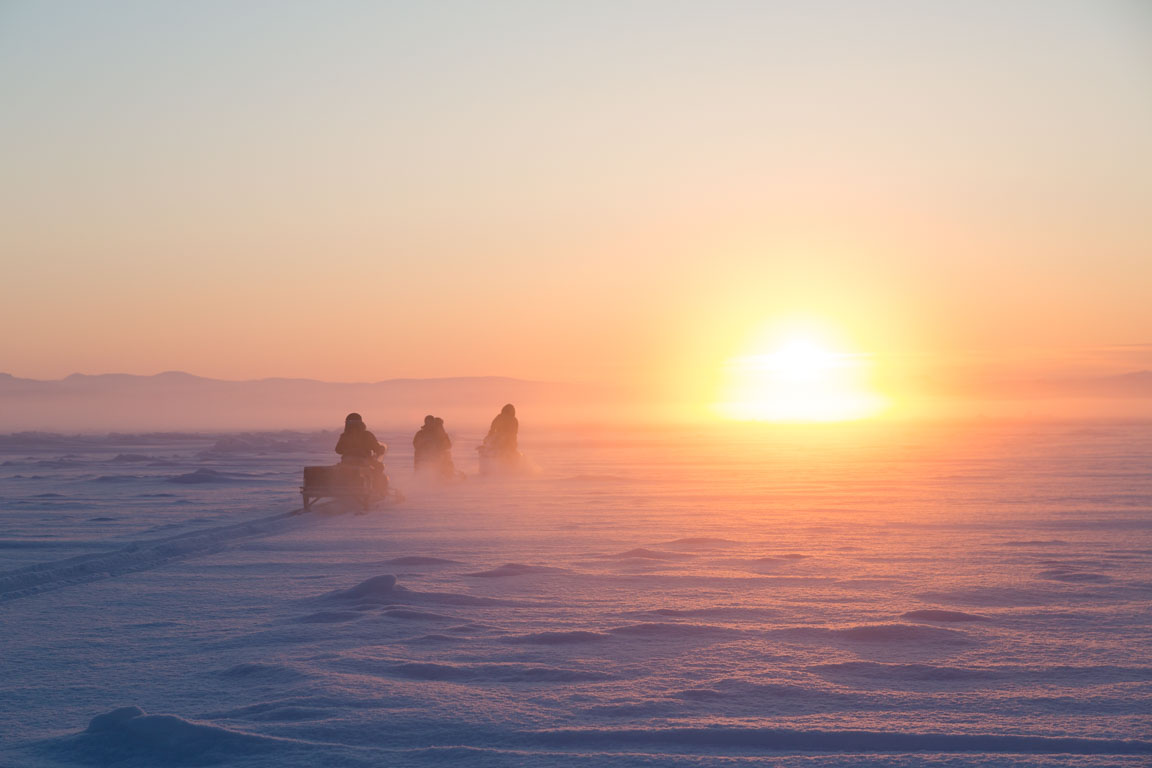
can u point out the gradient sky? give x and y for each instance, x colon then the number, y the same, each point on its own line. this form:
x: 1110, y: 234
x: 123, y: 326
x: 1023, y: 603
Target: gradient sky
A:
x: 593, y: 191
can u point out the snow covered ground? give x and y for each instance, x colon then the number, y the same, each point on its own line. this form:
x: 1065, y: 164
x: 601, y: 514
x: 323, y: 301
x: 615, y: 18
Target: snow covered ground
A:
x: 812, y: 597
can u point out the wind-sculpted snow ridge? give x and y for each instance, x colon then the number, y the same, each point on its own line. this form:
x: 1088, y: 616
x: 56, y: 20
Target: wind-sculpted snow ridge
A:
x: 1011, y: 674
x: 472, y: 673
x: 131, y: 458
x: 128, y: 735
x: 258, y: 443
x: 420, y: 560
x: 408, y: 614
x: 993, y: 596
x: 933, y: 614
x: 880, y: 633
x: 757, y: 699
x: 726, y: 740
x: 641, y: 553
x: 725, y: 613
x: 656, y: 630
x: 202, y: 476
x: 116, y: 478
x: 370, y: 590
x: 557, y: 638
x: 264, y: 672
x: 594, y: 480
x: 384, y: 591
x: 701, y: 542
x: 514, y: 569
x: 293, y: 709
x: 138, y: 556
x: 502, y: 673
x: 329, y: 617
x: 1074, y: 576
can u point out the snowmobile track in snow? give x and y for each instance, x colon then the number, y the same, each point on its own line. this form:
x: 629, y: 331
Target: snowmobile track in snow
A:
x: 137, y: 556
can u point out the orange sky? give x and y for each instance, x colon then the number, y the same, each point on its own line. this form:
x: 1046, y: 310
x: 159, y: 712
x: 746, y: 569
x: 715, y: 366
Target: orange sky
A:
x: 351, y: 191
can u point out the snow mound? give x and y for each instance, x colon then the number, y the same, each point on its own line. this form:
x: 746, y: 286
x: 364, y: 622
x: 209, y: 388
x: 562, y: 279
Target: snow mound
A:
x: 128, y: 734
x: 384, y: 591
x: 939, y: 615
x: 373, y: 589
x: 110, y: 720
x: 130, y: 458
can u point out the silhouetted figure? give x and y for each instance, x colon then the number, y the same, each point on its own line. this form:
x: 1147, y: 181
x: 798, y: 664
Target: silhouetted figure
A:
x: 357, y: 444
x: 359, y: 447
x: 501, y: 437
x: 500, y: 447
x: 443, y: 450
x: 422, y: 442
x: 432, y: 449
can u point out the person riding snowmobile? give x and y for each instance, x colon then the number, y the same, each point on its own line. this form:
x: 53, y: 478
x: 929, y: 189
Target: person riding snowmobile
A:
x: 357, y: 444
x: 359, y: 447
x: 432, y: 449
x: 501, y: 437
x: 500, y: 452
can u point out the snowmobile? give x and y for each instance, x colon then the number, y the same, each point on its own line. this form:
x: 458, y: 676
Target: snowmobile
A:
x: 501, y: 462
x: 438, y: 469
x: 363, y: 484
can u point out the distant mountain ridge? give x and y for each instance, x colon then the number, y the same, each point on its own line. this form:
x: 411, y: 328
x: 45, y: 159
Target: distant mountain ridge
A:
x: 179, y: 400
x: 191, y: 377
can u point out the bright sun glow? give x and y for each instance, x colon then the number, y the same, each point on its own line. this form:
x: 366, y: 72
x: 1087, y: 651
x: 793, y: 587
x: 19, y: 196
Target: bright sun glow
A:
x: 799, y: 381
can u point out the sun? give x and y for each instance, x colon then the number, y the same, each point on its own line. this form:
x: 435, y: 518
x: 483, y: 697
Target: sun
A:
x: 798, y: 381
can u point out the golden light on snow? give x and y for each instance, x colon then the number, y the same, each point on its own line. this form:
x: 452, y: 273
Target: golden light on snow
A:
x: 799, y: 381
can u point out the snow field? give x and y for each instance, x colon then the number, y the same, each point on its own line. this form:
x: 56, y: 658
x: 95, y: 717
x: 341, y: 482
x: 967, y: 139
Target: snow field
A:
x: 884, y: 597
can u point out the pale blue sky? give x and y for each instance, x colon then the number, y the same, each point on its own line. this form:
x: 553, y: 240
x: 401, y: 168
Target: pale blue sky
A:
x: 922, y: 175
